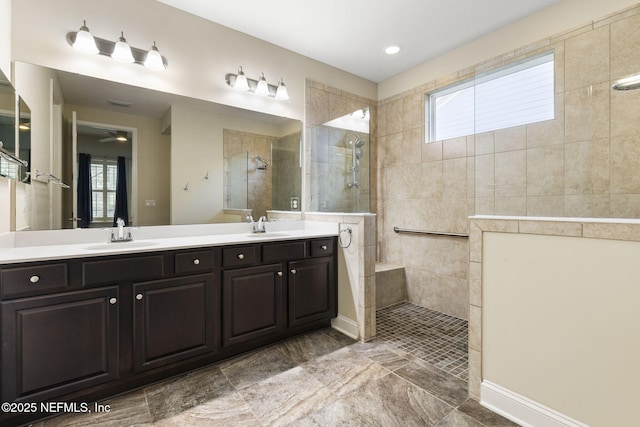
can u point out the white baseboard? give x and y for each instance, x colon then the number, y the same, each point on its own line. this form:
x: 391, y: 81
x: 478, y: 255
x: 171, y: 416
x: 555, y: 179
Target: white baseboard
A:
x: 522, y: 410
x: 346, y: 326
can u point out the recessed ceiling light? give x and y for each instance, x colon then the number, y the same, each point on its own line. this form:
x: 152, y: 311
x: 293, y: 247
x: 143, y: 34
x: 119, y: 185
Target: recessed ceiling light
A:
x: 392, y: 50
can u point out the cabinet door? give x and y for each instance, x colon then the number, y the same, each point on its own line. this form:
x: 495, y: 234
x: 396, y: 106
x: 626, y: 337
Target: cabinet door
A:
x: 57, y: 344
x: 312, y: 291
x: 253, y: 303
x: 173, y: 319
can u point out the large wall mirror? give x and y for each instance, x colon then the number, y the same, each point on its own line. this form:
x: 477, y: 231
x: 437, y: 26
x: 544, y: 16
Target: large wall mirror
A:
x: 187, y: 160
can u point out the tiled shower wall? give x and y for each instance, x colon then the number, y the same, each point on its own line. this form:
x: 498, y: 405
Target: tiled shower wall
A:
x: 584, y: 163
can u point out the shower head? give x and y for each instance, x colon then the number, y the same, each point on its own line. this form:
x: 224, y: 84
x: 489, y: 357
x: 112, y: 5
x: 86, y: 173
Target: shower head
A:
x: 628, y: 83
x: 359, y: 142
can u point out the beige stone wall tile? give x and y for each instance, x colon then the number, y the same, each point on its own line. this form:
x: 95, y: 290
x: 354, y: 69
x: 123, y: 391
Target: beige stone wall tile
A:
x: 455, y: 216
x: 471, y: 179
x: 485, y: 175
x: 422, y: 252
x: 497, y: 225
x: 411, y: 151
x: 587, y: 58
x: 475, y: 241
x: 587, y: 112
x: 545, y: 171
x: 475, y: 373
x: 625, y: 164
x: 394, y: 117
x: 431, y: 178
x: 381, y: 122
x: 594, y: 230
x: 485, y: 206
x: 432, y: 151
x: 624, y: 112
x: 475, y: 283
x: 588, y: 206
x: 317, y: 107
x: 455, y: 257
x: 484, y: 143
x: 454, y: 148
x: 545, y: 206
x: 509, y: 206
x: 454, y: 178
x: 412, y: 111
x: 393, y: 150
x: 625, y: 39
x: 475, y: 327
x: 587, y: 167
x: 555, y: 228
x: 511, y: 174
x: 471, y: 145
x: 510, y: 139
x: 625, y: 206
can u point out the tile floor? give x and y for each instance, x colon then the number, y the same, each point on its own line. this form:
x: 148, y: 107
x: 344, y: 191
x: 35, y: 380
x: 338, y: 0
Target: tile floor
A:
x: 321, y: 378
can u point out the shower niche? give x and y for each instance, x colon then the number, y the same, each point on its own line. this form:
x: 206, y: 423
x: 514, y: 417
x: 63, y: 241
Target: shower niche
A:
x: 340, y: 157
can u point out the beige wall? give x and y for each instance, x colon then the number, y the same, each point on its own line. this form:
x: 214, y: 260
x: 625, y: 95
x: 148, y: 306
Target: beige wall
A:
x: 582, y: 163
x: 558, y: 322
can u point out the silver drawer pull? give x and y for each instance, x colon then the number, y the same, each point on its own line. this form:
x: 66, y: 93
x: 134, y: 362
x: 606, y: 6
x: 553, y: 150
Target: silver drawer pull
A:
x: 34, y: 279
x: 240, y: 256
x: 280, y: 273
x: 293, y: 271
x: 139, y: 297
x: 196, y: 261
x: 324, y: 247
x: 112, y: 301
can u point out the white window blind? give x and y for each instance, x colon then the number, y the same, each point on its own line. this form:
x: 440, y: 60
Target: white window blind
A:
x: 512, y: 96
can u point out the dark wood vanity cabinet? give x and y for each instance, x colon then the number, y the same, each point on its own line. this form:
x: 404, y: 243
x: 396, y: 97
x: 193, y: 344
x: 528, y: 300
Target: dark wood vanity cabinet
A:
x: 253, y: 303
x: 88, y: 328
x: 57, y: 344
x: 174, y: 319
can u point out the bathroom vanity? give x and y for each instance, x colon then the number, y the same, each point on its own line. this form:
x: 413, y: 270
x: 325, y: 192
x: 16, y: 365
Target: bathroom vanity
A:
x: 100, y: 319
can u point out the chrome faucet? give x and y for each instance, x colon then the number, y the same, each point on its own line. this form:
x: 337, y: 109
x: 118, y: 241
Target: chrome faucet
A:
x: 257, y: 227
x: 119, y: 234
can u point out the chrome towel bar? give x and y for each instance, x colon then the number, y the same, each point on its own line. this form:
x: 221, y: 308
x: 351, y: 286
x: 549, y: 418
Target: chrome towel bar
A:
x: 431, y: 233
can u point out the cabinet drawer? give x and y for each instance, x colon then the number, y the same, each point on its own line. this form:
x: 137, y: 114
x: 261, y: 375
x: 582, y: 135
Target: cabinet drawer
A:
x: 113, y: 271
x: 275, y: 252
x: 194, y: 262
x: 322, y: 247
x: 239, y: 256
x: 30, y: 279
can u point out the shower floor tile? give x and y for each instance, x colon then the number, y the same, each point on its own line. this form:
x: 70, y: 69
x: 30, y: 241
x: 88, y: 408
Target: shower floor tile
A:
x: 435, y: 338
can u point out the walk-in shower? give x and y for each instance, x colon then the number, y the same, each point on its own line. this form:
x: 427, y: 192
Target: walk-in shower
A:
x: 356, y: 146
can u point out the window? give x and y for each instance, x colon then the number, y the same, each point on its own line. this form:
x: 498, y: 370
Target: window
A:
x: 512, y: 96
x: 104, y: 178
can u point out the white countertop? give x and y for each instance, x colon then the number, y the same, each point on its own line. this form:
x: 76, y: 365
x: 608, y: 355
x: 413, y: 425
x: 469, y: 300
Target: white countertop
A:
x: 29, y: 246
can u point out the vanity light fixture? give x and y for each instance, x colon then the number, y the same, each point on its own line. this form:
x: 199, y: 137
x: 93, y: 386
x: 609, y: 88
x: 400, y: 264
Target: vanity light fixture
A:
x: 120, y: 50
x: 260, y: 87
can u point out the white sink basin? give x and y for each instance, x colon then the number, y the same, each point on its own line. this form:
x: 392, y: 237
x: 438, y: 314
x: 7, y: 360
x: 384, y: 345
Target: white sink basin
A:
x: 119, y: 245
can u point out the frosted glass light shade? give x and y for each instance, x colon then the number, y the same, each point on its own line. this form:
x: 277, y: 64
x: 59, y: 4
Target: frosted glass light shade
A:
x: 154, y: 59
x: 241, y: 81
x: 85, y: 42
x: 262, y: 88
x: 281, y: 92
x: 122, y: 51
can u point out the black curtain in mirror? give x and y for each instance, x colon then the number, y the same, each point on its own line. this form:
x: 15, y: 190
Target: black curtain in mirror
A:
x: 122, y: 209
x: 84, y: 190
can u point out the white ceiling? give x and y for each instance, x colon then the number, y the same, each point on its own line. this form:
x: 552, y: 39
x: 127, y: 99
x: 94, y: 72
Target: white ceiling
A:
x: 351, y: 34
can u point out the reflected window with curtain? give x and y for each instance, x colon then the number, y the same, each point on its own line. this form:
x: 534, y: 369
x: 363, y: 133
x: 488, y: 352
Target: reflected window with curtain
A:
x: 104, y: 174
x: 85, y: 212
x: 121, y: 208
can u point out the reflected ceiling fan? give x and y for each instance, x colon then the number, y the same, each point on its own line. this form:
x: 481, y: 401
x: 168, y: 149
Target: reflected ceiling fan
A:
x: 114, y: 136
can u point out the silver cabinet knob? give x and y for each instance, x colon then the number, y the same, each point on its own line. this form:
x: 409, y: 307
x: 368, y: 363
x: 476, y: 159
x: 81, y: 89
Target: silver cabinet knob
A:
x: 139, y: 297
x: 280, y: 273
x: 196, y: 261
x: 240, y: 256
x: 324, y: 247
x: 293, y: 271
x: 112, y: 301
x: 34, y: 279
